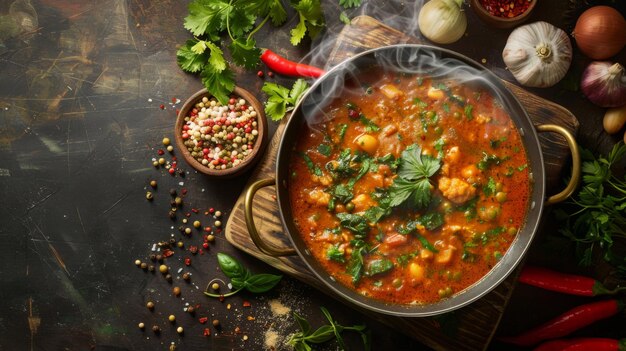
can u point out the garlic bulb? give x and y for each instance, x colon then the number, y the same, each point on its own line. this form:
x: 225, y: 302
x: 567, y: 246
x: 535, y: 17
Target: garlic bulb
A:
x: 538, y: 54
x: 442, y: 21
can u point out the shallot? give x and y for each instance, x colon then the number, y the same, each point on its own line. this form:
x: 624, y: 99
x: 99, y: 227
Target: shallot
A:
x: 604, y: 84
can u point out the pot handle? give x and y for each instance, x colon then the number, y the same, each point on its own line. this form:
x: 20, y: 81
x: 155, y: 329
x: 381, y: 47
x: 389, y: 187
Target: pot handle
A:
x: 254, y: 234
x: 573, y: 146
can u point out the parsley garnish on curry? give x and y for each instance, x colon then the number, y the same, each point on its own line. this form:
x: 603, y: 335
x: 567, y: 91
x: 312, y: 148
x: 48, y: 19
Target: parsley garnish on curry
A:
x: 412, y: 190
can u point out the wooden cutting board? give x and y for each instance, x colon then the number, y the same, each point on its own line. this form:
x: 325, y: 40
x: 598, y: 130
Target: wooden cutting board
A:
x: 475, y: 323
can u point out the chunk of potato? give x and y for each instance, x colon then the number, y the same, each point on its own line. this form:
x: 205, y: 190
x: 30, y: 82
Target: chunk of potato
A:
x: 391, y: 91
x: 416, y: 272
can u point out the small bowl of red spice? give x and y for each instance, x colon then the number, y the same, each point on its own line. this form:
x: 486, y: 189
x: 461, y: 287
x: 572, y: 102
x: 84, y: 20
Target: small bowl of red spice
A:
x: 503, y: 13
x: 221, y: 139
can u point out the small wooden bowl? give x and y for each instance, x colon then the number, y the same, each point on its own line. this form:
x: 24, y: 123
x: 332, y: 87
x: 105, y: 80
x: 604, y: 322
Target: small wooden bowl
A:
x: 501, y: 22
x: 248, y: 161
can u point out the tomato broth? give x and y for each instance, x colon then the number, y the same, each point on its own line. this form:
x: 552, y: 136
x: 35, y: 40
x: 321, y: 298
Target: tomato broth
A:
x: 412, y: 189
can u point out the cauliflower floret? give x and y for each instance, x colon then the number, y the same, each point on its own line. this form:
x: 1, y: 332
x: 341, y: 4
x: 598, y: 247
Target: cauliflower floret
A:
x: 318, y: 197
x: 456, y: 190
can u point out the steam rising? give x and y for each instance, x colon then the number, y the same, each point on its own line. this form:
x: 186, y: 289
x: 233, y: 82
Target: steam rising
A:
x: 439, y: 64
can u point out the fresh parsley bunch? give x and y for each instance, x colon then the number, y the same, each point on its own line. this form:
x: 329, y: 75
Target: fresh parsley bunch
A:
x: 209, y: 20
x: 596, y: 216
x: 413, y: 182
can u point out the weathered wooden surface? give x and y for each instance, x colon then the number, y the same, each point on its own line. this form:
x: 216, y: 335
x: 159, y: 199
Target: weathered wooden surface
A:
x: 476, y: 322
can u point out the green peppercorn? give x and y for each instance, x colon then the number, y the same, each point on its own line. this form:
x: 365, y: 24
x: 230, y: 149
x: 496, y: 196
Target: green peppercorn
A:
x: 350, y: 206
x: 178, y: 201
x: 166, y: 141
x: 215, y: 286
x: 210, y: 238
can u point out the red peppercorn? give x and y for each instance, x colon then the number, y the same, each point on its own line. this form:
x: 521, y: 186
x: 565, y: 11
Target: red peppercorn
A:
x: 270, y: 74
x: 171, y: 171
x: 205, y: 245
x: 353, y: 114
x: 232, y: 101
x: 259, y: 74
x: 187, y: 261
x: 173, y: 100
x: 162, y: 107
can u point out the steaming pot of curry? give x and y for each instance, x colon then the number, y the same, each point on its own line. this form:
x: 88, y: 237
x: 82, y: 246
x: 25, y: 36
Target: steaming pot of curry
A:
x: 410, y: 180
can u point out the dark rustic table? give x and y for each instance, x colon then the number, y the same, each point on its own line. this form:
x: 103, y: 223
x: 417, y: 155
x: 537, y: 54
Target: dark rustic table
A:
x: 88, y: 90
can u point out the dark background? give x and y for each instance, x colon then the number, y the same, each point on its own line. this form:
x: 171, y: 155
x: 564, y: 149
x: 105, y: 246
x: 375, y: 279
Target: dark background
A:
x: 81, y: 84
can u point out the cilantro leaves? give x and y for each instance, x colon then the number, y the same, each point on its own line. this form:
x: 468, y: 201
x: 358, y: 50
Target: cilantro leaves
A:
x: 596, y: 220
x: 210, y: 20
x: 282, y: 100
x: 413, y: 183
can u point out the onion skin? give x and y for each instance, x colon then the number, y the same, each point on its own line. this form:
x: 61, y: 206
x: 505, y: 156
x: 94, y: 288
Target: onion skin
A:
x: 604, y: 84
x: 600, y: 32
x: 614, y: 119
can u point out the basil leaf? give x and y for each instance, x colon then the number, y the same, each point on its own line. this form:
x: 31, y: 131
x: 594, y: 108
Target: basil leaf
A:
x: 238, y: 283
x: 335, y: 254
x: 324, y: 149
x: 426, y: 244
x: 231, y: 267
x: 355, y: 223
x: 378, y: 266
x: 259, y: 283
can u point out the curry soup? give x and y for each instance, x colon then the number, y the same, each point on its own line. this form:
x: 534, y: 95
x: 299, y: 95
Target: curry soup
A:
x: 412, y: 190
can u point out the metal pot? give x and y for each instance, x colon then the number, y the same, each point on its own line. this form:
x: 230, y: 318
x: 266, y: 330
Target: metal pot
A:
x: 407, y: 58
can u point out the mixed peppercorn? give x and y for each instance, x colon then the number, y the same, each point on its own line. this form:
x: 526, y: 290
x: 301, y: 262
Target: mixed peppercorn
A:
x: 220, y: 136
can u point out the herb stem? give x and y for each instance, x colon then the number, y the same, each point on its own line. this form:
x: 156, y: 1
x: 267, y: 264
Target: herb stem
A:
x: 258, y: 27
x: 223, y: 295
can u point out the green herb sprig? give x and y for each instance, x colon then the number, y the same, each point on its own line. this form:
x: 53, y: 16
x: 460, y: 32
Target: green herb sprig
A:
x: 597, y: 217
x: 413, y: 181
x: 282, y: 100
x: 240, y: 20
x: 301, y: 340
x: 241, y: 278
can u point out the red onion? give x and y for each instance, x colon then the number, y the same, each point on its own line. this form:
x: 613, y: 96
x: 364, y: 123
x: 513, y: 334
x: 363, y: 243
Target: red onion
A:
x: 604, y: 84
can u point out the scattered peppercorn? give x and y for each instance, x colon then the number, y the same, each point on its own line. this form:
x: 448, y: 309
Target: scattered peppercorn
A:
x: 187, y: 230
x: 218, y: 223
x: 172, y: 214
x: 210, y: 238
x: 215, y: 286
x: 166, y: 141
x: 161, y: 161
x: 191, y: 309
x: 163, y: 269
x: 149, y: 196
x: 216, y: 323
x: 180, y: 244
x: 197, y: 224
x: 152, y: 257
x: 180, y: 330
x: 173, y: 192
x: 172, y: 318
x: 185, y: 220
x: 150, y: 305
x: 170, y: 148
x: 153, y: 183
x: 159, y: 258
x: 186, y: 276
x: 172, y: 241
x: 141, y: 325
x: 178, y: 201
x: 156, y: 329
x: 168, y: 277
x: 270, y: 74
x: 137, y: 263
x: 151, y: 268
x: 144, y: 265
x: 218, y: 214
x: 176, y: 291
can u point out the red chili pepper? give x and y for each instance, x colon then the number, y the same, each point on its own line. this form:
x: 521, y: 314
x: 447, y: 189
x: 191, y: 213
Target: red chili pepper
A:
x: 564, y: 283
x: 583, y: 344
x: 283, y: 66
x: 568, y: 322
